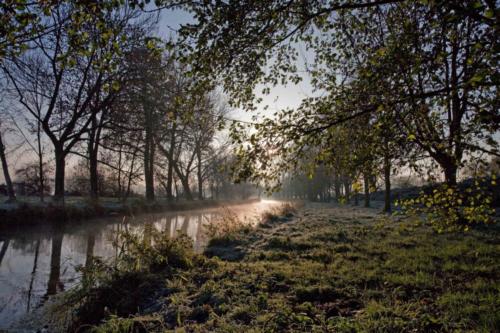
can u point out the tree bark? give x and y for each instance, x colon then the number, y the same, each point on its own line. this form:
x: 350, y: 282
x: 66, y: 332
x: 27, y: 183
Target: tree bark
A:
x: 387, y: 181
x: 40, y: 163
x: 94, y: 175
x: 366, y: 182
x: 184, y: 182
x: 170, y: 157
x: 119, y: 176
x: 337, y: 185
x: 148, y: 155
x: 450, y: 173
x: 186, y: 188
x: 10, y: 188
x: 347, y: 190
x: 199, y: 175
x: 130, y: 175
x: 93, y: 151
x: 60, y: 158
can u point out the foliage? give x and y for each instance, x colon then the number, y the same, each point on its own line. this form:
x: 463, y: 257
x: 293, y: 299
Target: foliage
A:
x: 449, y: 208
x: 410, y: 81
x: 24, y: 21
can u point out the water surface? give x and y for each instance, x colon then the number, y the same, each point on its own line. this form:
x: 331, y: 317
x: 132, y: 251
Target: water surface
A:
x: 39, y: 262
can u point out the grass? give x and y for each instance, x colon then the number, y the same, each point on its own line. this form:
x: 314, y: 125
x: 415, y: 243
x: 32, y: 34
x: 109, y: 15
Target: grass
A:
x: 325, y: 269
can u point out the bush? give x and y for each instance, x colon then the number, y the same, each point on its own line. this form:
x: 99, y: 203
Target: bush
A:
x: 120, y: 287
x: 449, y: 208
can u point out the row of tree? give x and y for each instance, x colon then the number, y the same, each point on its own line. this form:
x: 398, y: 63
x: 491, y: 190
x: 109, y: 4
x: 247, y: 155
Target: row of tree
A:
x: 107, y: 93
x: 399, y: 84
x: 403, y: 84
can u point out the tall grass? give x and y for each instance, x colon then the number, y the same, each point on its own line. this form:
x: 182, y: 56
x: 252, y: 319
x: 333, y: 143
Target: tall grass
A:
x: 227, y: 227
x: 284, y: 210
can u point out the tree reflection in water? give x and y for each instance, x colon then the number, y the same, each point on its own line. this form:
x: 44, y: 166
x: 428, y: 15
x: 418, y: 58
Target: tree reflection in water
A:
x: 55, y: 264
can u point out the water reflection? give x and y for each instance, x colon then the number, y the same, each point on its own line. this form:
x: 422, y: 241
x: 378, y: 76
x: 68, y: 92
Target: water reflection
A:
x: 37, y: 263
x: 33, y: 274
x: 5, y: 246
x: 90, y: 248
x: 54, y: 285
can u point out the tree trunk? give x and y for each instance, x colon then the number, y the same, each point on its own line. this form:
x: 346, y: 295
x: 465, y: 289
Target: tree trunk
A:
x: 170, y: 157
x: 148, y: 173
x: 93, y: 151
x: 184, y: 182
x: 148, y: 179
x: 450, y: 173
x: 119, y: 176
x: 347, y: 190
x: 186, y: 188
x: 148, y: 153
x: 176, y: 191
x: 94, y: 176
x: 6, y: 174
x: 387, y: 180
x: 40, y: 164
x: 199, y: 176
x: 366, y: 182
x: 170, y: 176
x: 130, y: 175
x: 60, y: 158
x: 337, y: 185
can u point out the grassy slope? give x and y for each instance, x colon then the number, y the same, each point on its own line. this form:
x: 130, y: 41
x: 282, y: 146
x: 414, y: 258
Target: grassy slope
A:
x: 334, y: 269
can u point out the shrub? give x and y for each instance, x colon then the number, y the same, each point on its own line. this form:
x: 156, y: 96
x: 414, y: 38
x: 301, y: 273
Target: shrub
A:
x: 449, y: 208
x: 121, y: 286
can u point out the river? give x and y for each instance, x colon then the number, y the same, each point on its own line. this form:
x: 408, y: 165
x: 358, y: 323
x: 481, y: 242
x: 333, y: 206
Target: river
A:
x: 36, y: 263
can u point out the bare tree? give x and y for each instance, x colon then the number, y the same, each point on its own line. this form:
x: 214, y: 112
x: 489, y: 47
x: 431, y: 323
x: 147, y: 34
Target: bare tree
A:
x: 5, y: 166
x: 60, y: 85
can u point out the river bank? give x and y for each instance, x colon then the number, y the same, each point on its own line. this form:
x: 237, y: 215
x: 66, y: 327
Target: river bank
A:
x: 22, y: 214
x: 318, y: 268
